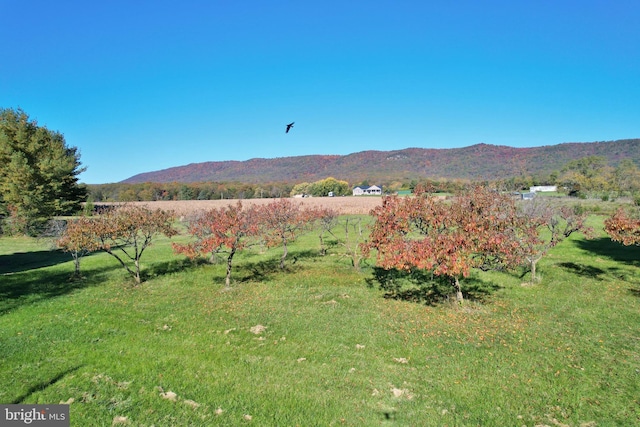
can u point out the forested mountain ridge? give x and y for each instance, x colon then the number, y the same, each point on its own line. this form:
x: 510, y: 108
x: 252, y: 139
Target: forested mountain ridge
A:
x: 476, y: 162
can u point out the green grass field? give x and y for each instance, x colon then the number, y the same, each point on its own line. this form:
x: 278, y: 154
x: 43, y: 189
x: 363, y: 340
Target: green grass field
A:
x: 319, y: 344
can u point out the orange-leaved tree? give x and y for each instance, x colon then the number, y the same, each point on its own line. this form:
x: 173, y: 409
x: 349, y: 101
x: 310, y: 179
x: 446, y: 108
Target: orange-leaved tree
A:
x: 479, y: 228
x: 623, y: 227
x: 282, y: 222
x: 79, y: 239
x: 125, y: 232
x: 231, y: 227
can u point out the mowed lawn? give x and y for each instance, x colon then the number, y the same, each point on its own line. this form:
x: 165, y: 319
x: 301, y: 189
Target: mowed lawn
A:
x: 319, y: 344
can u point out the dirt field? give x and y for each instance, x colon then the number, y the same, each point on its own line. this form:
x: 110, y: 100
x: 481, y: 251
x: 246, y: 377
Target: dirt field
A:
x: 344, y: 205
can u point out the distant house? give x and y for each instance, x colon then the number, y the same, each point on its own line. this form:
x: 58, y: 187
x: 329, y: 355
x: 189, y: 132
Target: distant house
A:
x: 367, y: 191
x: 543, y: 188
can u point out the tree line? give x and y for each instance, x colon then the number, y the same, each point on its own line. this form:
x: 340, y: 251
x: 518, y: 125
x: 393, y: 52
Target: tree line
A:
x: 151, y: 191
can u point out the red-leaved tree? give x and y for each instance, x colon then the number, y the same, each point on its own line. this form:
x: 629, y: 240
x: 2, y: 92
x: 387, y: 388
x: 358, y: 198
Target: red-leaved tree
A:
x: 229, y: 229
x: 623, y: 227
x: 478, y: 228
x: 282, y: 222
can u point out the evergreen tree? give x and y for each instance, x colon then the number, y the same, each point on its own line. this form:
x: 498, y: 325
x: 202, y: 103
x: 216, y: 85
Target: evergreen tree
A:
x: 38, y: 172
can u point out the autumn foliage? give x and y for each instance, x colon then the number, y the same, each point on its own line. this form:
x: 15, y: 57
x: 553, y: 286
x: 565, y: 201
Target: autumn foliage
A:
x: 479, y: 228
x: 228, y: 229
x: 124, y: 232
x: 281, y: 222
x: 623, y: 227
x: 79, y: 239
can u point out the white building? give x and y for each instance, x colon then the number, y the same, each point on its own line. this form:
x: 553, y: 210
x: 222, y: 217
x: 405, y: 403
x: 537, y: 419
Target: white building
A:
x: 366, y: 191
x: 543, y: 188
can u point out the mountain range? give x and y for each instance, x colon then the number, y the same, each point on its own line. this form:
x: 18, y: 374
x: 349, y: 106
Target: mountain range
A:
x: 476, y: 162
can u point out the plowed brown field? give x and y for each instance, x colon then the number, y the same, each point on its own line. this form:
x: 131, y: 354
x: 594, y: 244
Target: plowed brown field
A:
x: 344, y: 205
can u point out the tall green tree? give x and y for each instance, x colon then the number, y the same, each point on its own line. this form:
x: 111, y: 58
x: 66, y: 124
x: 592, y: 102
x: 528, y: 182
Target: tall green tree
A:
x: 38, y: 172
x: 589, y: 175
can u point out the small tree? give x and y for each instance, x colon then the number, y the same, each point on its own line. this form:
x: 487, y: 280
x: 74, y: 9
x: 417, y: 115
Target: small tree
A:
x: 352, y: 240
x: 623, y: 227
x: 552, y: 225
x: 125, y: 232
x: 326, y: 219
x: 281, y: 222
x: 79, y: 239
x: 229, y: 227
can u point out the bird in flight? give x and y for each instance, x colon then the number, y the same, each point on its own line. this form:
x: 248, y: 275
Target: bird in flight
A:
x: 289, y: 126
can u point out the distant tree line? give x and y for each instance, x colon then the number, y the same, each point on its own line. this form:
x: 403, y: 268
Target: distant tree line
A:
x: 152, y: 191
x: 322, y: 187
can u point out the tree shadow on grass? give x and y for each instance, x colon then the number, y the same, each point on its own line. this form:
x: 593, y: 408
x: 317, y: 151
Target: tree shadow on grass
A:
x: 28, y: 287
x: 24, y: 261
x: 175, y: 265
x: 627, y: 257
x: 425, y: 288
x: 605, y: 247
x: 584, y: 270
x: 44, y: 384
x: 263, y: 270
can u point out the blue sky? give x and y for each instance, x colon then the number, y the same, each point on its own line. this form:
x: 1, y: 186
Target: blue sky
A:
x: 139, y: 86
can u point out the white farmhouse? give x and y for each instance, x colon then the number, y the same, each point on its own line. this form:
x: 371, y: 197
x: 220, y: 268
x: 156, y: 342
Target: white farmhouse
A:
x: 542, y: 188
x: 367, y: 191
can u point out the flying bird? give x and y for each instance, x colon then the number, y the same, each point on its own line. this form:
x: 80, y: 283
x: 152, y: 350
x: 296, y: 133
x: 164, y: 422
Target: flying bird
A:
x: 289, y: 126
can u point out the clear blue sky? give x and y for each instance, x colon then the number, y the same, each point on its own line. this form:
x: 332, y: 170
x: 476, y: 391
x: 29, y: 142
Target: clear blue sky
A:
x: 146, y: 85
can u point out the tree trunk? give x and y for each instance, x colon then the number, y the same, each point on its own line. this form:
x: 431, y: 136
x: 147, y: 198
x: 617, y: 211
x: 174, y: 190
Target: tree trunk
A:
x: 126, y: 267
x: 284, y: 255
x: 76, y: 261
x: 533, y: 271
x: 323, y: 250
x: 137, y: 276
x: 533, y: 262
x: 456, y: 285
x: 227, y: 280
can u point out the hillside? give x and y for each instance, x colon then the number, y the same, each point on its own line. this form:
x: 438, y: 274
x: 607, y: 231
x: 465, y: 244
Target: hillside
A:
x: 481, y: 161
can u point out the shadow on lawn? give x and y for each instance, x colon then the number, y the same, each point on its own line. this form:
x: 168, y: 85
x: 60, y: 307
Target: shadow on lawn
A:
x: 30, y: 286
x: 24, y: 261
x: 259, y: 271
x: 174, y: 265
x: 244, y: 268
x: 43, y: 385
x: 584, y: 270
x: 627, y: 257
x: 615, y: 251
x: 425, y: 288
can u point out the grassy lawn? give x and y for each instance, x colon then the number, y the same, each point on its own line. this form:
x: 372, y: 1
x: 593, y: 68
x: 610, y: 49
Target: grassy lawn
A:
x: 319, y: 344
